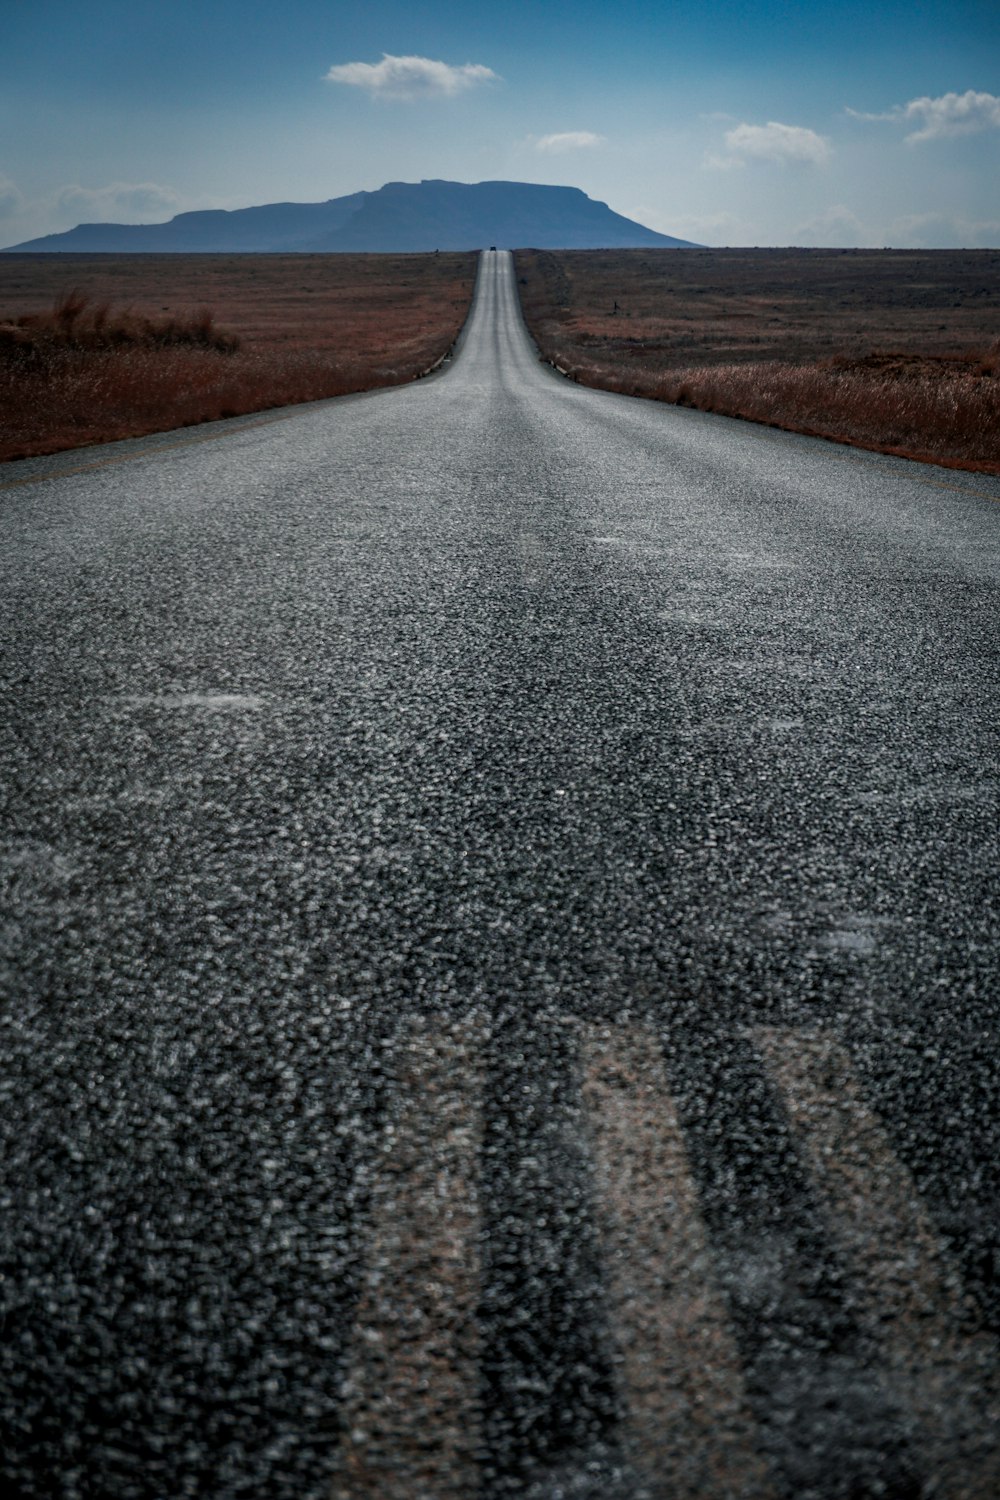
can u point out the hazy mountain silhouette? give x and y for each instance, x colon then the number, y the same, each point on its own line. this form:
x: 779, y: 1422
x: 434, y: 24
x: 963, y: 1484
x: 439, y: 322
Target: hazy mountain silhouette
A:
x: 400, y: 216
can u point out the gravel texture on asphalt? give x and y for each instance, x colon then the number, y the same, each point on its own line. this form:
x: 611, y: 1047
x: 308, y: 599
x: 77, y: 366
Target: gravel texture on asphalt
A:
x: 495, y: 707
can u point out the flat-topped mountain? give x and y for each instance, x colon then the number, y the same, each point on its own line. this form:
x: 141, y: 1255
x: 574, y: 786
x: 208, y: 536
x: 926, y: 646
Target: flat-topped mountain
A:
x: 400, y: 216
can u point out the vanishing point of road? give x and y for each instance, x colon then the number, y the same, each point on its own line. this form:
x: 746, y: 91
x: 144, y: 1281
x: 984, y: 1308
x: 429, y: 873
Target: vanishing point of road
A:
x: 500, y: 956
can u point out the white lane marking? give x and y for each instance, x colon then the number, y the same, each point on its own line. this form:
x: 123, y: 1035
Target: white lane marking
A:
x: 687, y: 1432
x: 944, y: 1376
x: 410, y: 1413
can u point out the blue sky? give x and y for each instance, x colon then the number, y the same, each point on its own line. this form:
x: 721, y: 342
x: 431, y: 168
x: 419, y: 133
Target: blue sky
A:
x: 737, y: 122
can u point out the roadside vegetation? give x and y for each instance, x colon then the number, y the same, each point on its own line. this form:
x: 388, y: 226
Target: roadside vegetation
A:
x: 895, y: 351
x: 95, y: 348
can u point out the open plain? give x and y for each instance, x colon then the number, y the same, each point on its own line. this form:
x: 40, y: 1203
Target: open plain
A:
x: 306, y: 327
x: 896, y: 351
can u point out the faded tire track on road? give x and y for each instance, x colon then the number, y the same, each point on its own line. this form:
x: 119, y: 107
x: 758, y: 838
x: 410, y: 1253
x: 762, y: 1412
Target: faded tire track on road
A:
x: 499, y: 961
x: 414, y: 1419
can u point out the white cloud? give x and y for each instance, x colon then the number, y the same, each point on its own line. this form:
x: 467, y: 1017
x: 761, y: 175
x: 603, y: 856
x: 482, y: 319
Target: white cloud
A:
x: 840, y: 227
x: 568, y: 140
x: 10, y: 197
x: 837, y: 226
x: 139, y: 201
x: 942, y: 232
x: 411, y: 77
x: 947, y: 115
x: 774, y: 142
x: 716, y: 228
x: 722, y: 163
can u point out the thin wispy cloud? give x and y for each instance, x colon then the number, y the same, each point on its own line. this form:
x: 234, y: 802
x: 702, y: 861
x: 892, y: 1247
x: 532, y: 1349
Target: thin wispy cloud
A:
x: 411, y: 77
x: 712, y: 225
x: 568, y: 140
x: 935, y: 231
x: 947, y: 115
x: 11, y: 197
x: 840, y: 226
x: 138, y: 200
x: 774, y: 142
x: 837, y: 225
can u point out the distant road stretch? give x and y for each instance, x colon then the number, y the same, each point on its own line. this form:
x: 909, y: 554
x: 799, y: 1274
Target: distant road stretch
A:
x: 500, y: 950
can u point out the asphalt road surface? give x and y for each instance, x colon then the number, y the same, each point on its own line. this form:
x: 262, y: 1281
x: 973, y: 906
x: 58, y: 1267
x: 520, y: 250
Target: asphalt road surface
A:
x: 501, y: 953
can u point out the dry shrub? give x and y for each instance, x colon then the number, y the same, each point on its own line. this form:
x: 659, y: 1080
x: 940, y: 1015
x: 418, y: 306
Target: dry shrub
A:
x: 944, y: 412
x: 948, y: 416
x: 74, y: 371
x: 794, y: 339
x: 108, y: 394
x: 75, y: 324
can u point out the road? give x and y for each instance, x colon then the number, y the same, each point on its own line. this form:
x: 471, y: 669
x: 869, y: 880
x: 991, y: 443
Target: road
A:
x: 501, y: 952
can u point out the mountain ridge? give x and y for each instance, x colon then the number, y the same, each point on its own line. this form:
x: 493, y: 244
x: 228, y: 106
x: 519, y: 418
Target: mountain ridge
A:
x: 434, y: 214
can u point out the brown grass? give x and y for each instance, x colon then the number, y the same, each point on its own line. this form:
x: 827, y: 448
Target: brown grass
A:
x: 75, y: 325
x: 95, y: 348
x: 896, y: 351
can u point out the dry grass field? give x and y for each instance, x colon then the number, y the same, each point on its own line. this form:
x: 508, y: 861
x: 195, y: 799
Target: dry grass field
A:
x: 99, y: 347
x: 892, y: 350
